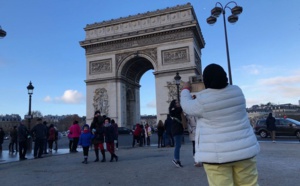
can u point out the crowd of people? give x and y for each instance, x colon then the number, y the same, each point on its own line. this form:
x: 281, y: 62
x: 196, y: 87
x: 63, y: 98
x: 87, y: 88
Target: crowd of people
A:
x: 222, y: 138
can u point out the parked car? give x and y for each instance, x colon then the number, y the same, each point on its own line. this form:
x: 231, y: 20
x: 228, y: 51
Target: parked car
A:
x: 284, y: 127
x: 124, y: 130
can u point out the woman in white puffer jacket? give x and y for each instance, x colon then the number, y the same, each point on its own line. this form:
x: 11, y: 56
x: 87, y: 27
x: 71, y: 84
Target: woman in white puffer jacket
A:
x: 225, y: 141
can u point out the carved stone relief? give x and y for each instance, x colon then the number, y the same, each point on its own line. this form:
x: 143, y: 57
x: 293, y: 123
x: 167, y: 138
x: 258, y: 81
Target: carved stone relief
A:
x: 137, y: 24
x: 172, y: 91
x: 101, y: 101
x: 178, y: 55
x: 140, y: 41
x: 197, y: 61
x: 102, y: 66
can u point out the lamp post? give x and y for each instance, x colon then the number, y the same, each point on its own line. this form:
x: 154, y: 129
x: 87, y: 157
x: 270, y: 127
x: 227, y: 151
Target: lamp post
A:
x: 215, y: 12
x: 177, y: 82
x: 2, y: 33
x: 30, y: 92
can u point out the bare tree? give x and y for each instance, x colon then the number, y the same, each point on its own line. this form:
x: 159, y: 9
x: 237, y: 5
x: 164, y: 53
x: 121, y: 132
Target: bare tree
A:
x: 36, y: 114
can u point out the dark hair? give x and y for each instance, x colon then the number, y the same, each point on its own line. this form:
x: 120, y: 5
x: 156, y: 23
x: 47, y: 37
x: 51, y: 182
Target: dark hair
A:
x: 215, y: 77
x: 107, y: 119
x: 112, y: 121
x: 75, y: 122
x: 97, y: 112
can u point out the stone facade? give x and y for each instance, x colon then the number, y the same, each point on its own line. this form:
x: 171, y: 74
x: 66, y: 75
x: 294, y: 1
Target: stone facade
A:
x: 120, y: 51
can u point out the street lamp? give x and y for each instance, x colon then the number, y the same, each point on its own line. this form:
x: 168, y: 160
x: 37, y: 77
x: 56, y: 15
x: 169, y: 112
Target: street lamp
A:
x: 2, y: 33
x: 177, y: 82
x: 30, y: 92
x: 215, y: 12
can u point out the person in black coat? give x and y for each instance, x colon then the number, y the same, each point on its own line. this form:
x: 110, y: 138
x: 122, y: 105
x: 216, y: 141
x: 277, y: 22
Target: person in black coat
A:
x: 2, y: 134
x: 22, y: 138
x: 110, y: 136
x: 40, y: 132
x: 271, y: 126
x: 160, y: 132
x: 168, y: 132
x: 175, y: 112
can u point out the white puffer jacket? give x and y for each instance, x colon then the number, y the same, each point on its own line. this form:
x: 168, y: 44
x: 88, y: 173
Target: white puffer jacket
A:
x: 223, y: 133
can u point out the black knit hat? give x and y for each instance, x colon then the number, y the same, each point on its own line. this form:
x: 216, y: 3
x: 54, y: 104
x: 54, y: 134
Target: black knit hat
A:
x: 215, y: 77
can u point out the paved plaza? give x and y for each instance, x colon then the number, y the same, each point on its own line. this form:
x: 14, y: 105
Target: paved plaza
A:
x: 278, y: 164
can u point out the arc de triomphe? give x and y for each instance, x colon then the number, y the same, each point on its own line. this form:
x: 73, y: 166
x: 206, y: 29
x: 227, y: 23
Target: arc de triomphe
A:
x: 120, y: 51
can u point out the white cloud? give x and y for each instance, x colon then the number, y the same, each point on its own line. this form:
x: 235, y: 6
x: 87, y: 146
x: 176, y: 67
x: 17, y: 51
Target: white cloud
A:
x: 276, y: 90
x: 69, y: 97
x: 47, y: 99
x: 252, y: 69
x: 151, y: 104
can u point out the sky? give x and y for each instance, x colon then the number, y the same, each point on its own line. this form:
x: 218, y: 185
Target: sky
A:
x: 42, y: 46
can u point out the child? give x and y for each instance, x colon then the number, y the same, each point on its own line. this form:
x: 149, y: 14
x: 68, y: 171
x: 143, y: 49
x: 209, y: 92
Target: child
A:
x: 85, y: 141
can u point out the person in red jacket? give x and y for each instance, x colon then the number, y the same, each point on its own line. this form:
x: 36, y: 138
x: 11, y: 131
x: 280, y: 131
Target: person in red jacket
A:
x: 136, y: 134
x: 51, y: 137
x: 75, y: 132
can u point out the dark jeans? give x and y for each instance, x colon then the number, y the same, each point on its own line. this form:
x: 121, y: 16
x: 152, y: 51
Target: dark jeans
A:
x: 160, y: 141
x: 86, y: 151
x: 169, y: 139
x: 148, y: 140
x: 70, y: 144
x: 38, y: 147
x: 45, y: 144
x: 11, y: 146
x: 22, y: 149
x: 50, y: 142
x: 135, y: 138
x: 75, y: 144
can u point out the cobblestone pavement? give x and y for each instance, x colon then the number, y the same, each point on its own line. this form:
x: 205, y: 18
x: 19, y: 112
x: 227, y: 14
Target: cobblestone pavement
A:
x: 278, y: 164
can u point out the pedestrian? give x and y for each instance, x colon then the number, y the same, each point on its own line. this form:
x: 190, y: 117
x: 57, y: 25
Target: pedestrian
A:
x: 51, y: 137
x: 75, y: 132
x: 56, y: 138
x: 175, y: 112
x: 85, y: 141
x: 23, y: 135
x: 136, y: 134
x: 2, y: 134
x: 116, y: 141
x: 270, y: 121
x: 46, y: 139
x: 192, y: 123
x: 225, y: 141
x: 98, y: 131
x: 160, y: 132
x: 13, y: 139
x: 39, y: 131
x: 70, y: 141
x: 142, y: 139
x: 169, y: 140
x: 110, y: 136
x: 148, y: 133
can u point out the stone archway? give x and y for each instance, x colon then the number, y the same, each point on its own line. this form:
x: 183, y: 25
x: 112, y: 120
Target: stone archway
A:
x: 120, y: 51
